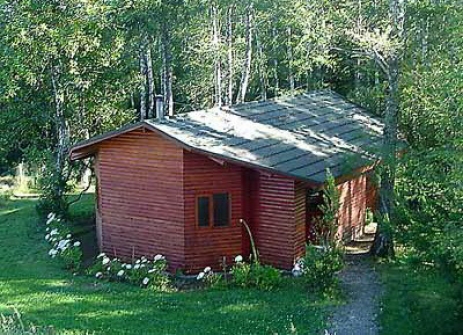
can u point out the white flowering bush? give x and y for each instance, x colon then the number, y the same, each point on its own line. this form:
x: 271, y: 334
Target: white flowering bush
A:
x: 142, y: 271
x: 209, y: 277
x: 244, y: 275
x: 63, y: 245
x: 256, y: 275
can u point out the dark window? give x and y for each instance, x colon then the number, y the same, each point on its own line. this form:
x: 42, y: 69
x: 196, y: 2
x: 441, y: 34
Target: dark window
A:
x: 203, y: 211
x: 221, y: 209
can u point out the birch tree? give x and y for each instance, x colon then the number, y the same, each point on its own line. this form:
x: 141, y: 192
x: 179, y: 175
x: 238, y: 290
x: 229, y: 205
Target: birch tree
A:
x: 246, y: 68
x: 216, y: 48
x: 230, y: 53
x: 143, y: 77
x: 150, y: 79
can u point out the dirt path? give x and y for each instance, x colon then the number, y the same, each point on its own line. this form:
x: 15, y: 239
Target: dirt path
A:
x: 361, y: 284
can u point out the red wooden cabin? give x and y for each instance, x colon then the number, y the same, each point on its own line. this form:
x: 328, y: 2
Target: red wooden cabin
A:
x: 179, y: 186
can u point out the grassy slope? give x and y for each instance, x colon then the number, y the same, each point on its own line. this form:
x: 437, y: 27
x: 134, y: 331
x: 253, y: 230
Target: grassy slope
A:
x: 419, y: 301
x: 47, y: 295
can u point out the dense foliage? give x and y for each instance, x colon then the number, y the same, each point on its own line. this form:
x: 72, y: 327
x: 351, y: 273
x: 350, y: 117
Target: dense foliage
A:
x: 431, y: 207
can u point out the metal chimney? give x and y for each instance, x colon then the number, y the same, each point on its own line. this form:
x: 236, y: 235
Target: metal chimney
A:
x: 159, y: 107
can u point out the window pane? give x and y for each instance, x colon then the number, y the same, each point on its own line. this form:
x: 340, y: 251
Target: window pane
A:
x: 221, y: 210
x: 203, y: 211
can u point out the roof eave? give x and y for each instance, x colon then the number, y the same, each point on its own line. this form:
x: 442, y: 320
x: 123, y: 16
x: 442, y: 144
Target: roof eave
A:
x: 89, y: 148
x: 86, y: 148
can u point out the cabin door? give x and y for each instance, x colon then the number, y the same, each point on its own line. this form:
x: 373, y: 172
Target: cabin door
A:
x: 313, y: 213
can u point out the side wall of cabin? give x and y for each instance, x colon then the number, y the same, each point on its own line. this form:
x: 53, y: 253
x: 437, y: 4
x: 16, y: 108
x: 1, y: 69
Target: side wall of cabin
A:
x: 353, y: 204
x: 206, y: 246
x: 277, y: 218
x: 372, y: 193
x: 140, y: 197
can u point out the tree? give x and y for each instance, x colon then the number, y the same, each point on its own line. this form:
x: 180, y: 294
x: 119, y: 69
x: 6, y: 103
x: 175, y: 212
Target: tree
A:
x: 246, y: 70
x: 383, y: 244
x: 63, y: 69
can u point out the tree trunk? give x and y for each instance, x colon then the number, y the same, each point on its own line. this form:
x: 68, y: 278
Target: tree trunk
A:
x: 168, y: 98
x: 246, y: 72
x: 261, y: 68
x: 150, y: 77
x: 62, y: 135
x: 276, y: 79
x: 383, y: 245
x: 290, y: 60
x: 217, y: 59
x: 231, y: 65
x: 143, y: 72
x: 358, y: 74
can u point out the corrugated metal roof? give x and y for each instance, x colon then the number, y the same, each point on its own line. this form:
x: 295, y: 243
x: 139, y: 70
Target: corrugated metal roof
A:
x: 300, y: 136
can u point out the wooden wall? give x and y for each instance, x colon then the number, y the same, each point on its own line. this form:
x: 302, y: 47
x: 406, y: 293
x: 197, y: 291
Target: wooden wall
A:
x: 205, y: 246
x: 278, y: 220
x: 353, y: 201
x: 372, y: 193
x: 140, y: 192
x: 300, y: 235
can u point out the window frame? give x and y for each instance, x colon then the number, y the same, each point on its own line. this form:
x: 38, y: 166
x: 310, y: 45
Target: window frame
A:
x: 211, y: 222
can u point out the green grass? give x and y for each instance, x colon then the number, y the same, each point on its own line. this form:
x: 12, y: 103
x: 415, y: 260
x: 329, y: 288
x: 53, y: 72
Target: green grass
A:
x: 46, y: 295
x: 419, y: 301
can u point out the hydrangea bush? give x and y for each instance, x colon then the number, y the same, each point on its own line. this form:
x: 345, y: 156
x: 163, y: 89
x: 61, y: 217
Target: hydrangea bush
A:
x: 245, y: 275
x: 143, y: 271
x: 255, y: 274
x: 210, y: 278
x: 63, y: 245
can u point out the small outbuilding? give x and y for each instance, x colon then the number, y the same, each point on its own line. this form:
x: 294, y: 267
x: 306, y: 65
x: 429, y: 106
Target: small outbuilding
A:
x: 180, y: 186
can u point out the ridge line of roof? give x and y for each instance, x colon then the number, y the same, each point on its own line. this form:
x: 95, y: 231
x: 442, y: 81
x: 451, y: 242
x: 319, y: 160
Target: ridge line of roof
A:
x: 276, y: 98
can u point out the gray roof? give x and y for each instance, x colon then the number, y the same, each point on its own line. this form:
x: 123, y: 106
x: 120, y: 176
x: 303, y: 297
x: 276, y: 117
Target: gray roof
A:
x: 299, y: 136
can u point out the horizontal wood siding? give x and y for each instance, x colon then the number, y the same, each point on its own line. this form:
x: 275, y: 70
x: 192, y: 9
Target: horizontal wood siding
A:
x: 372, y: 193
x: 300, y: 217
x: 141, y: 197
x: 250, y: 207
x: 206, y: 246
x: 98, y: 220
x: 275, y: 221
x: 352, y: 209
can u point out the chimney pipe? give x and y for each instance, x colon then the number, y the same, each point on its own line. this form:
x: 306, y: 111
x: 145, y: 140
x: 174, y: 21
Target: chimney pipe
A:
x: 159, y: 107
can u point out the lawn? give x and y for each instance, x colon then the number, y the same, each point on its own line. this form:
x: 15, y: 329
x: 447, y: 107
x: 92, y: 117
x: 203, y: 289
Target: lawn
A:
x: 46, y: 295
x: 420, y: 301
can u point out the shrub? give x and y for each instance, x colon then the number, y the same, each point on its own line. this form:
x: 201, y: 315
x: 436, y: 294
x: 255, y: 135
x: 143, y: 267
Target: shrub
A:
x: 319, y: 267
x: 255, y: 275
x: 142, y: 271
x: 4, y: 198
x: 320, y: 264
x: 63, y: 245
x: 244, y: 275
x: 210, y: 278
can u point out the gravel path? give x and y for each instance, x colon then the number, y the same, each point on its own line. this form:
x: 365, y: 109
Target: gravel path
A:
x: 361, y: 284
